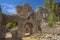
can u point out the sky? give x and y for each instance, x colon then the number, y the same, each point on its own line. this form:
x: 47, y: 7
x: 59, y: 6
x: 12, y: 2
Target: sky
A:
x: 8, y: 6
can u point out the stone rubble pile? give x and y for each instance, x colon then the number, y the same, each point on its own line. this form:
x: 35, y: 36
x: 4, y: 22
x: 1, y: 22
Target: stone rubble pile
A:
x: 50, y: 37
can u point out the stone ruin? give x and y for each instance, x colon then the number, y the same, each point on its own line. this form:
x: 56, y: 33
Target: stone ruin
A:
x: 25, y: 18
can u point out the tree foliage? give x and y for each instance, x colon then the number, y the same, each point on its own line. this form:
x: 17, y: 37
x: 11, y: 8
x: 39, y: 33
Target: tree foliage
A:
x: 10, y: 25
x: 51, y: 20
x: 47, y: 4
x: 50, y: 6
x: 58, y: 8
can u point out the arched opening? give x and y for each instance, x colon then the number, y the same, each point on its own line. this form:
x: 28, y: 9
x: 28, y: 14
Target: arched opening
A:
x: 28, y: 29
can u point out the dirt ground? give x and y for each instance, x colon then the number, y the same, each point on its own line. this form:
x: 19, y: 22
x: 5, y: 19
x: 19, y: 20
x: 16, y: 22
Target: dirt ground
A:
x: 25, y: 38
x: 28, y: 38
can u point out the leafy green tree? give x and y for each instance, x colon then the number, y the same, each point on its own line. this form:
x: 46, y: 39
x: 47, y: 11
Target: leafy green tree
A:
x: 50, y: 6
x: 47, y: 4
x: 51, y: 20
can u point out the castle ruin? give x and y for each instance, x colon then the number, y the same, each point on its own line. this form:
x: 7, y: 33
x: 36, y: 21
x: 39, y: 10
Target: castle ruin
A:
x: 25, y: 18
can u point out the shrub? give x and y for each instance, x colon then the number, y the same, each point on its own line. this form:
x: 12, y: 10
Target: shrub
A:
x: 10, y: 25
x: 51, y: 19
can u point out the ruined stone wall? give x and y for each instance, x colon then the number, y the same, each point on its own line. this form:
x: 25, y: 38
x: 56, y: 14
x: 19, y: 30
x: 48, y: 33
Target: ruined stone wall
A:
x: 41, y: 15
x: 30, y: 17
x: 2, y: 28
x: 25, y: 8
x: 24, y: 15
x: 11, y: 18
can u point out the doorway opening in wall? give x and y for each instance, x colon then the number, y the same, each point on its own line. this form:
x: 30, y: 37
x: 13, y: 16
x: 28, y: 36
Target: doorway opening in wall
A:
x: 28, y: 29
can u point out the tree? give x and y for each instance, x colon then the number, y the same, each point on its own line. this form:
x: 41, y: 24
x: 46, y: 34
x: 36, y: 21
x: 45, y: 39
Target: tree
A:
x: 50, y: 6
x: 46, y: 4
